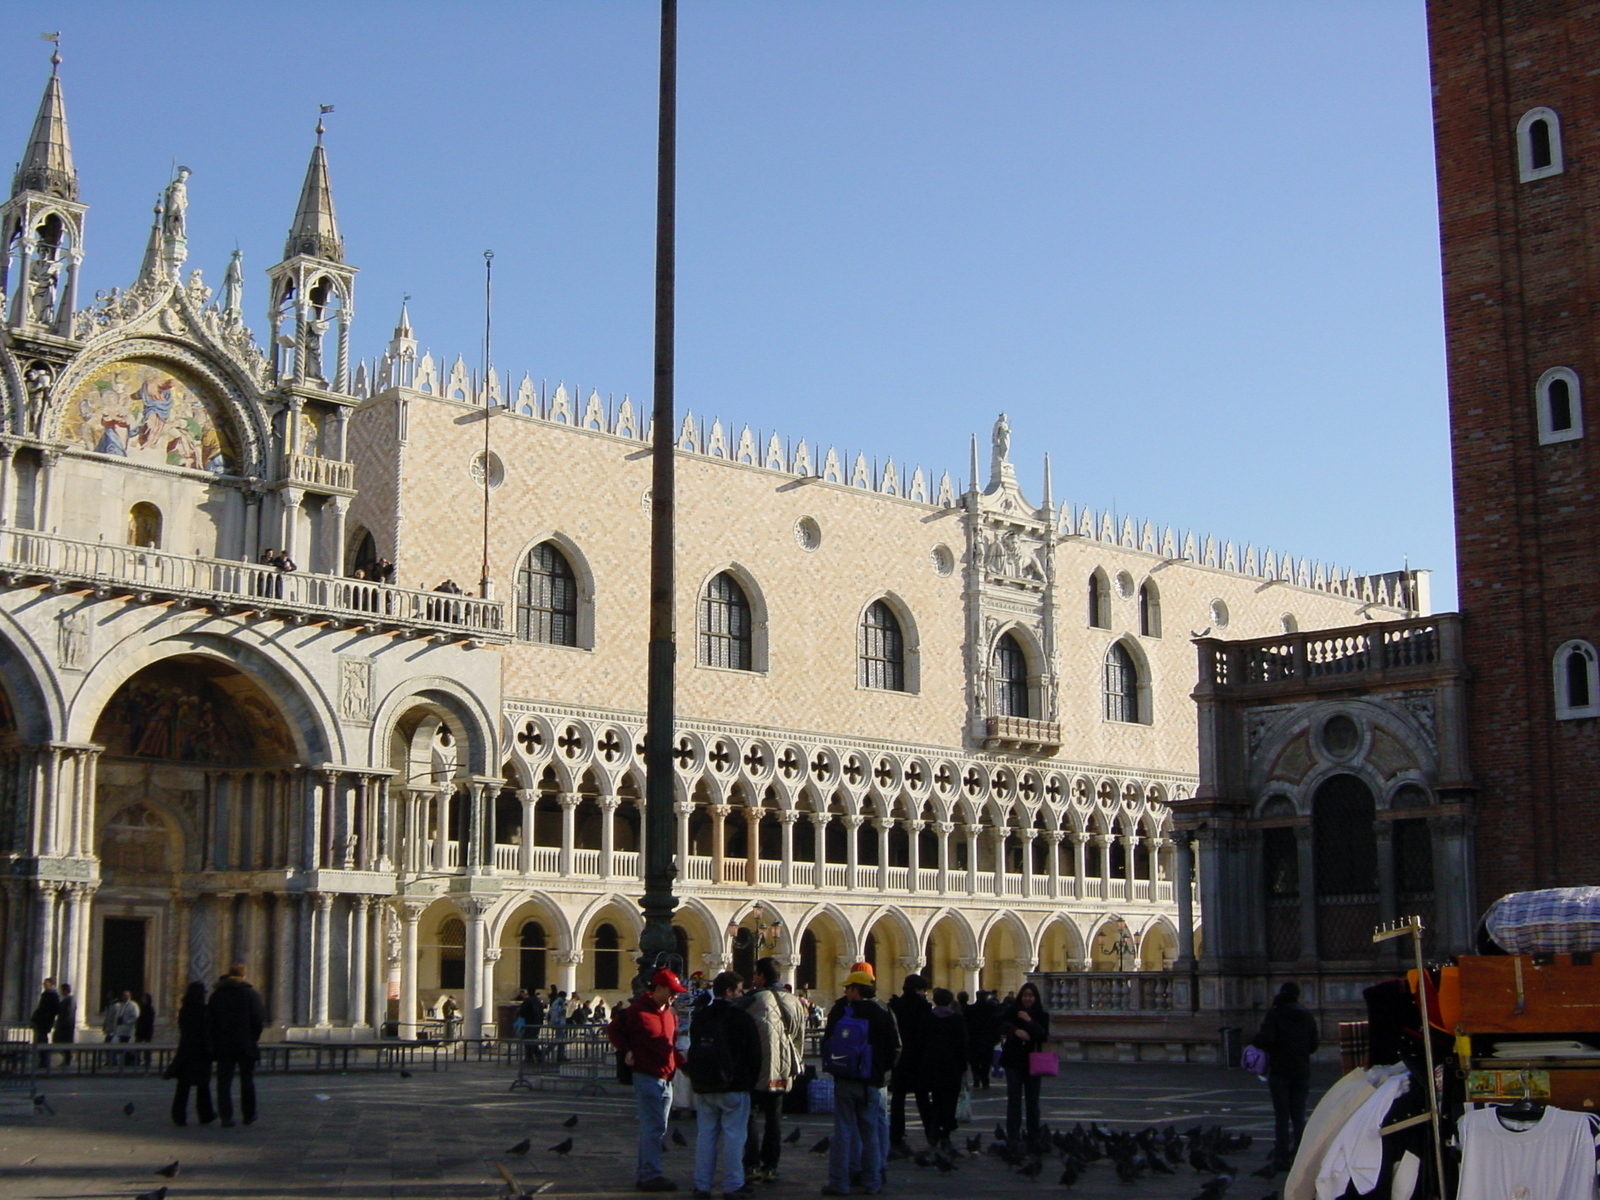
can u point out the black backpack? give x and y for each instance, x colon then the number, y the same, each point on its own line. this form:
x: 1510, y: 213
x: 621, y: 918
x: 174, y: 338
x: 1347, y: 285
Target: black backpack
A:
x: 710, y: 1064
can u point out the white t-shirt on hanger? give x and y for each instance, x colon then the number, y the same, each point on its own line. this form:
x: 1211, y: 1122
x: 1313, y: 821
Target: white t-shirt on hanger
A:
x: 1553, y: 1160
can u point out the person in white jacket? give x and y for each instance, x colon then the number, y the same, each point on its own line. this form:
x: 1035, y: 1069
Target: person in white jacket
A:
x: 781, y: 1021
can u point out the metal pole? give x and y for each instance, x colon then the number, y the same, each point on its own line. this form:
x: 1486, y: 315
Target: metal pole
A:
x: 657, y: 941
x: 485, y: 586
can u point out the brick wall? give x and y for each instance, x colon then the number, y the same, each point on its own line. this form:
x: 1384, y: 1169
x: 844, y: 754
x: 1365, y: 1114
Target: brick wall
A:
x: 1520, y: 276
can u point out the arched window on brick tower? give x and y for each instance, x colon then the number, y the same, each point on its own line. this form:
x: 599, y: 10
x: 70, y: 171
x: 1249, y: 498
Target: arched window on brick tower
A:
x: 1010, y: 678
x: 547, y: 598
x: 1346, y: 857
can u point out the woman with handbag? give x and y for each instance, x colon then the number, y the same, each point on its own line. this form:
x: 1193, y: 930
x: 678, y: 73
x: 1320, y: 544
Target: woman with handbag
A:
x: 1024, y: 1038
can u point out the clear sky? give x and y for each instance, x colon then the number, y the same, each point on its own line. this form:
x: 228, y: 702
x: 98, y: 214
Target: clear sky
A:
x: 1190, y: 248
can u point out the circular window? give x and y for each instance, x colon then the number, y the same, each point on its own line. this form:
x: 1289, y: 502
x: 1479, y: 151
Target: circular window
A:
x: 1124, y: 584
x: 1290, y: 623
x: 1340, y: 735
x: 1219, y: 614
x: 943, y: 560
x: 497, y: 470
x: 807, y: 533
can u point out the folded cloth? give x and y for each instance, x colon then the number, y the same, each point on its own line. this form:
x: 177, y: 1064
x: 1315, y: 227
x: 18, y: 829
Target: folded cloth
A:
x: 1355, y: 1156
x: 1550, y: 921
x: 1329, y: 1116
x: 1544, y: 1050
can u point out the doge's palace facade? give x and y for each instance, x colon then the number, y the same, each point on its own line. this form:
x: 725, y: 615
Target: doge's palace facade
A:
x: 937, y: 727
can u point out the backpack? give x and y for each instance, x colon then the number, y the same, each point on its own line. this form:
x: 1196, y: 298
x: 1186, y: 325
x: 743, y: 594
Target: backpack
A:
x: 848, y: 1053
x: 710, y: 1064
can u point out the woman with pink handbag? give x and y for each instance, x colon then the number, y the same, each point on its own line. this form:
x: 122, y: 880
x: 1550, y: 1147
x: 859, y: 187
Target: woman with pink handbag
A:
x: 1026, y: 1057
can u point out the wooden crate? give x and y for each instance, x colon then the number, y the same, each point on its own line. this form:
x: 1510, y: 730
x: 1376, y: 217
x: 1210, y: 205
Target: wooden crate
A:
x: 1549, y: 994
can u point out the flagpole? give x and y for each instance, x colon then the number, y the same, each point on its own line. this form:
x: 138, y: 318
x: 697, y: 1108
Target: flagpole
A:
x: 485, y: 585
x: 657, y: 942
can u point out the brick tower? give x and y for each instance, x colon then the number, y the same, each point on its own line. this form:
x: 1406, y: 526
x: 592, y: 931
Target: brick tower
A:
x: 1517, y: 125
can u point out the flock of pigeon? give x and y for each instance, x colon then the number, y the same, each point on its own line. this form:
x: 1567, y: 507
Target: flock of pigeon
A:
x: 1133, y: 1156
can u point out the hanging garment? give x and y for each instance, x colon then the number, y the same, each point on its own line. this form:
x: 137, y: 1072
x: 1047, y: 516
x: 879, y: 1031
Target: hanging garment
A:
x: 1356, y: 1153
x: 1332, y: 1111
x: 1403, y: 1186
x: 1553, y: 1160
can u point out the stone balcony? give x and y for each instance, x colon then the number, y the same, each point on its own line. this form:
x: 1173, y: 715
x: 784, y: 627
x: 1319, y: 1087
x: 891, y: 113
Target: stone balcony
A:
x: 324, y: 474
x: 1022, y: 734
x: 150, y: 576
x: 1328, y: 660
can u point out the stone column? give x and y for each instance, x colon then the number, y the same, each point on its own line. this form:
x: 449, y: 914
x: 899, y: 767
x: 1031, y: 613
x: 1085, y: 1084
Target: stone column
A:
x: 43, y: 955
x: 752, y: 845
x: 378, y: 953
x: 719, y: 832
x: 944, y: 829
x: 1080, y: 862
x: 360, y: 852
x: 786, y: 819
x: 1185, y: 898
x: 530, y: 800
x: 1130, y: 871
x: 998, y: 835
x: 410, y: 914
x: 1028, y: 833
x: 567, y: 970
x: 883, y: 826
x: 491, y: 1018
x: 608, y: 834
x: 333, y: 538
x: 1053, y: 837
x: 819, y: 845
x: 14, y: 1004
x: 71, y: 914
x: 973, y: 832
x: 6, y: 492
x: 285, y: 941
x: 473, y: 998
x: 289, y: 498
x: 682, y: 810
x: 971, y: 969
x: 569, y: 822
x: 914, y: 829
x: 1105, y: 842
x: 321, y: 967
x: 1308, y: 893
x: 852, y: 856
x: 360, y: 928
x: 222, y: 907
x: 80, y: 959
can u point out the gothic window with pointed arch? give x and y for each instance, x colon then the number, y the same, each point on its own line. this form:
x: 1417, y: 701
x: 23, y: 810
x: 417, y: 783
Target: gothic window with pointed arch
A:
x: 547, y: 597
x: 883, y: 649
x: 1099, y: 600
x: 1010, y: 671
x: 726, y: 628
x: 1577, y: 681
x: 1149, y: 609
x: 1121, y: 686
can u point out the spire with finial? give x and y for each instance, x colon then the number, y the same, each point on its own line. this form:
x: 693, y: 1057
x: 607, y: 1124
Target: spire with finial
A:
x: 402, y: 329
x: 315, y: 232
x: 154, y: 265
x: 975, y: 486
x: 46, y: 164
x: 1049, y: 493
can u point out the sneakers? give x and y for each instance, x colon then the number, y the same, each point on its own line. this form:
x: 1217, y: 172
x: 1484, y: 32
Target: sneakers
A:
x: 659, y: 1184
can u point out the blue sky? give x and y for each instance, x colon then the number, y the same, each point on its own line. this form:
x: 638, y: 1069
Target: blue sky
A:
x: 1190, y: 248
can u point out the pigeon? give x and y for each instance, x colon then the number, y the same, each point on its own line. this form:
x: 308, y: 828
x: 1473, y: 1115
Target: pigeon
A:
x: 1269, y: 1171
x: 170, y: 1170
x: 1070, y: 1171
x: 564, y: 1147
x: 159, y: 1194
x: 405, y: 1074
x: 678, y: 1138
x: 793, y: 1137
x: 521, y: 1147
x: 975, y: 1144
x: 821, y: 1147
x: 1031, y: 1168
x: 41, y: 1102
x: 945, y: 1164
x: 999, y: 1133
x: 1214, y: 1188
x: 571, y: 1122
x: 128, y: 1109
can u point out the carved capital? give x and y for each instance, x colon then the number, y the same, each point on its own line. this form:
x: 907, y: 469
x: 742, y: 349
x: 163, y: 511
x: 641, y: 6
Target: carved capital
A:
x: 492, y: 954
x: 970, y: 964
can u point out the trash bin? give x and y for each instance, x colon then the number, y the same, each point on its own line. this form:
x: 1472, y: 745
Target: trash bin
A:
x: 1232, y: 1045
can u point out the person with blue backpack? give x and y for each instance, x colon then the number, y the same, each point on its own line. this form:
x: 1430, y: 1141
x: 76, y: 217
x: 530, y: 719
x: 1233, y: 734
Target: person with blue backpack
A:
x: 723, y: 1063
x: 859, y: 1048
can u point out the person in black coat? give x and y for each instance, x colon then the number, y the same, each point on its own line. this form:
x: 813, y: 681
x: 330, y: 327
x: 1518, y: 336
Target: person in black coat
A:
x: 910, y: 1009
x: 44, y: 1016
x: 944, y: 1065
x: 981, y: 1016
x: 1024, y: 1030
x: 1290, y: 1036
x: 191, y: 1064
x: 236, y: 1018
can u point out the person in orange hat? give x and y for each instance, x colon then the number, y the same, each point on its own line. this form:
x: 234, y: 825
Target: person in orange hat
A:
x: 859, y: 1050
x: 645, y: 1034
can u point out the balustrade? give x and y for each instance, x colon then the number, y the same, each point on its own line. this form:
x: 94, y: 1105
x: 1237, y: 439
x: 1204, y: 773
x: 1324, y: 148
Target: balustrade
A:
x: 1107, y: 991
x: 1041, y: 885
x: 625, y: 863
x: 899, y: 879
x: 1013, y: 884
x: 319, y: 472
x: 586, y: 862
x: 985, y: 883
x: 927, y: 879
x: 833, y: 875
x: 1092, y: 888
x: 546, y: 860
x: 769, y: 872
x: 452, y: 854
x: 1295, y: 659
x: 507, y: 858
x: 804, y: 874
x: 699, y: 868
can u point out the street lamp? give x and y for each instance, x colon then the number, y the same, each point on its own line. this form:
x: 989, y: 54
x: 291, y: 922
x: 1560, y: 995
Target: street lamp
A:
x: 760, y: 937
x: 1125, y: 943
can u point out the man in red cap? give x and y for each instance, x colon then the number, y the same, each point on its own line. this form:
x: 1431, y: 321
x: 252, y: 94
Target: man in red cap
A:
x: 645, y: 1034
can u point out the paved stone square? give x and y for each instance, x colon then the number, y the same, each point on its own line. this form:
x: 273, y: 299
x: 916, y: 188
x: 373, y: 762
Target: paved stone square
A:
x: 367, y: 1135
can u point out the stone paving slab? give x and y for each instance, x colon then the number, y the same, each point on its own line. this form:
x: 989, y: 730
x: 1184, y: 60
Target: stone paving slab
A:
x: 366, y: 1136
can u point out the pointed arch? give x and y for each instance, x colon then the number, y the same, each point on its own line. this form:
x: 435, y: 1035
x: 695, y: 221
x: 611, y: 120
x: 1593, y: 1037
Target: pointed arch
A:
x: 555, y: 592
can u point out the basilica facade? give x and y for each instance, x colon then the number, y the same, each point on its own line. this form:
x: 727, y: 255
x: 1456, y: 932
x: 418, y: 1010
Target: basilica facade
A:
x: 337, y: 667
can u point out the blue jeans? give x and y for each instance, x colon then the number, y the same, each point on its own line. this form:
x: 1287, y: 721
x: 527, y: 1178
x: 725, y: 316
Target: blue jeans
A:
x: 858, y: 1130
x: 655, y: 1102
x: 724, y: 1119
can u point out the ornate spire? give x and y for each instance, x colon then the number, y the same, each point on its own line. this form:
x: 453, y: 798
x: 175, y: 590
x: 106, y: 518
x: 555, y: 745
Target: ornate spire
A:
x: 46, y: 165
x: 154, y: 265
x: 316, y: 230
x: 402, y: 329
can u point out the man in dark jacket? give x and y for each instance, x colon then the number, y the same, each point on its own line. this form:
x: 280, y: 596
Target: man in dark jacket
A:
x: 66, y: 1026
x: 236, y: 1016
x: 723, y: 1064
x: 44, y: 1016
x: 858, y: 1101
x: 983, y: 1016
x: 646, y: 1033
x: 1289, y: 1035
x: 910, y: 1009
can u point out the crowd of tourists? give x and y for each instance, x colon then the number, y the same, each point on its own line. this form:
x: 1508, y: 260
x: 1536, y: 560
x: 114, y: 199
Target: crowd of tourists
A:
x: 738, y: 1047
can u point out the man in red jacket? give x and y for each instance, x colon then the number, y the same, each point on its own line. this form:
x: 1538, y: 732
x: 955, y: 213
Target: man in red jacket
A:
x: 646, y: 1033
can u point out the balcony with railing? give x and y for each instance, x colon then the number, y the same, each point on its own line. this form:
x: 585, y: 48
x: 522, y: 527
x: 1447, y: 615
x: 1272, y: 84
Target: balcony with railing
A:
x: 1365, y: 655
x: 1022, y: 734
x: 311, y: 470
x: 159, y: 576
